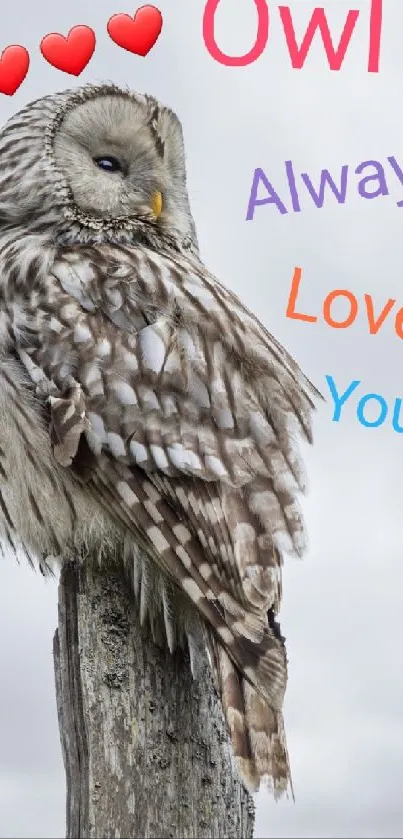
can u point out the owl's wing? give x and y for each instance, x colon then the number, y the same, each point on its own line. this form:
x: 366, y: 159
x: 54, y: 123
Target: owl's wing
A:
x: 198, y: 363
x: 191, y: 410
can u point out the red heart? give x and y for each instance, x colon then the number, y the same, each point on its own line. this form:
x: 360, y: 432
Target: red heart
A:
x: 69, y: 54
x: 14, y: 63
x: 137, y: 34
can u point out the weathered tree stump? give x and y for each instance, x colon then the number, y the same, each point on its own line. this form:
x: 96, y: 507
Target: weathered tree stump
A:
x: 145, y: 747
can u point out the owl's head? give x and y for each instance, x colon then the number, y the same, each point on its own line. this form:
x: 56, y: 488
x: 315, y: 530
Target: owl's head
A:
x: 99, y: 160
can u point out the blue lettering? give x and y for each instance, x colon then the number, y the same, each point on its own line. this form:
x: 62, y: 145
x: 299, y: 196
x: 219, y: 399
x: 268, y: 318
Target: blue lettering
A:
x: 340, y: 400
x: 396, y: 415
x: 360, y: 410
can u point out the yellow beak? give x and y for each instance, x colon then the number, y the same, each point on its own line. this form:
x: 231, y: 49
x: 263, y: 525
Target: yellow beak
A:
x: 156, y: 203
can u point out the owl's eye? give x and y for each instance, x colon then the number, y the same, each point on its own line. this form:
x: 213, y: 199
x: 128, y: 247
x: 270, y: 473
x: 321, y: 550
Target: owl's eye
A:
x: 108, y: 164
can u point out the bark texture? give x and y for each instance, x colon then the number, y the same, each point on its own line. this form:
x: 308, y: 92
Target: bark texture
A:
x: 145, y: 748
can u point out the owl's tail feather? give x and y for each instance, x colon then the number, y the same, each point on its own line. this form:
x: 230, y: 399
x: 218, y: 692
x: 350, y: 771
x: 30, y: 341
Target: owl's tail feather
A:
x: 257, y: 732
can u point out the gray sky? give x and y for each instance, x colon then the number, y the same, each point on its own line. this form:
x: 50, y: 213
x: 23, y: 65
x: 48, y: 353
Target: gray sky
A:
x: 342, y: 611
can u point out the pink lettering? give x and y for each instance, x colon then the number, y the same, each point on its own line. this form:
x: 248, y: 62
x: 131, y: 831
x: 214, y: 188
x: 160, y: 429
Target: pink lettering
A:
x: 239, y: 60
x: 318, y: 21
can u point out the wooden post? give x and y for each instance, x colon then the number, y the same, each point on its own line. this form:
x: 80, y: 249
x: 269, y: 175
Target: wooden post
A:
x: 145, y: 748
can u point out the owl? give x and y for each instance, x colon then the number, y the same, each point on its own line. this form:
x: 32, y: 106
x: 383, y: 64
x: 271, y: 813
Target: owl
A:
x: 145, y: 413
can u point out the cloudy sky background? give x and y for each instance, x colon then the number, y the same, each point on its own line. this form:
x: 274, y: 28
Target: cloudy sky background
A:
x: 342, y: 611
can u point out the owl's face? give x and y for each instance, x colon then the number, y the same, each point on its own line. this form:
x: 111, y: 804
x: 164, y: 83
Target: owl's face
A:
x: 113, y: 161
x: 92, y: 162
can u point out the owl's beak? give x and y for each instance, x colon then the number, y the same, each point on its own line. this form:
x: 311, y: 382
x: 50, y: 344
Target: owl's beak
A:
x: 156, y: 203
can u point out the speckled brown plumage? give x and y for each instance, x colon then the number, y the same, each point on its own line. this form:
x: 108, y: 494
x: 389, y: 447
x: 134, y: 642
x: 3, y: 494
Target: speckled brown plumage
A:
x: 141, y: 404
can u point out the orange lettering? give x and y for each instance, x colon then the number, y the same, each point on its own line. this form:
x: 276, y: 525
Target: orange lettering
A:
x: 291, y: 313
x: 340, y: 292
x: 399, y: 323
x: 375, y: 325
